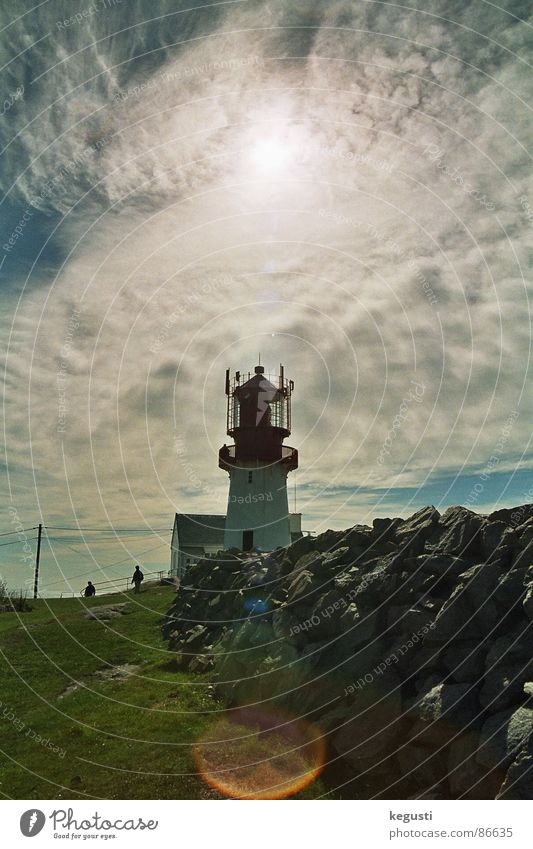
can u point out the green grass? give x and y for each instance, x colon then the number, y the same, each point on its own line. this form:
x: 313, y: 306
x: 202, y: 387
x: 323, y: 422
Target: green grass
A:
x: 114, y: 739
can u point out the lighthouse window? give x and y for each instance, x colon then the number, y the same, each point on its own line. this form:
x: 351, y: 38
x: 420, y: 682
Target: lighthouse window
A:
x: 249, y: 477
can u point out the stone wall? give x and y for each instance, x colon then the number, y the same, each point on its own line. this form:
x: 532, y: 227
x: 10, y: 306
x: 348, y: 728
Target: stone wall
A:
x: 408, y: 644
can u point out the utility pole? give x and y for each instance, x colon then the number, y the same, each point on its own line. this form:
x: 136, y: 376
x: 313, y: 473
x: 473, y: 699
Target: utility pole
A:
x: 37, y: 558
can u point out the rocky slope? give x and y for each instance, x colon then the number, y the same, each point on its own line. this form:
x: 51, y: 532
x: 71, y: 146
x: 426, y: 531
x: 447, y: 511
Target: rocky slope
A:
x: 408, y: 644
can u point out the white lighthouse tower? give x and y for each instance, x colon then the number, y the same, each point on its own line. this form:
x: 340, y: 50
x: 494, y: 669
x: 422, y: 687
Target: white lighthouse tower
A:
x: 258, y: 420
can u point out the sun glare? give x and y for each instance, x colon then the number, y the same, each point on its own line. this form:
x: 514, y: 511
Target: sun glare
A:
x: 270, y: 155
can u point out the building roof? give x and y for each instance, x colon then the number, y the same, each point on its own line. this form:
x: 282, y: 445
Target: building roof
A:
x: 204, y: 529
x: 199, y: 529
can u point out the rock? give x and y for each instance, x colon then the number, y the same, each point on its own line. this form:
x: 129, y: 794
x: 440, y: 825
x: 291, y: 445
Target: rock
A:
x: 421, y: 766
x: 384, y: 529
x: 455, y: 703
x: 442, y: 712
x: 302, y: 546
x: 195, y: 638
x: 409, y: 620
x: 525, y: 558
x: 347, y: 580
x: 327, y: 612
x: 503, y: 735
x: 358, y: 537
x: 352, y: 659
x: 340, y: 556
x: 460, y: 533
x: 287, y: 627
x: 415, y: 531
x: 118, y: 672
x: 518, y: 782
x: 492, y: 537
x: 426, y: 517
x: 513, y: 517
x: 509, y: 648
x: 408, y: 643
x: 464, y: 777
x: 525, y: 533
x: 310, y: 562
x: 201, y: 663
x: 371, y: 724
x: 443, y: 565
x: 417, y: 659
x: 112, y: 611
x: 358, y: 627
x: 528, y: 604
x: 377, y: 588
x: 301, y: 587
x: 329, y: 540
x: 502, y: 687
x: 510, y: 589
x: 508, y: 667
x: 469, y: 612
x: 465, y: 661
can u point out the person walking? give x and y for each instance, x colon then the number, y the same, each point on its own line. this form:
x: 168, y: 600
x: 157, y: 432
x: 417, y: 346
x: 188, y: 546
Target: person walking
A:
x: 137, y: 579
x: 89, y: 590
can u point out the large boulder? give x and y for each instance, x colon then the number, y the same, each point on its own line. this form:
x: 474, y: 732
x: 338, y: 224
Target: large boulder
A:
x: 442, y: 712
x: 357, y: 626
x: 510, y: 589
x: 502, y: 737
x: 358, y: 538
x: 518, y: 782
x: 302, y: 587
x: 385, y: 529
x: 503, y: 686
x: 459, y: 532
x: 525, y: 533
x: 464, y: 661
x: 302, y: 546
x: 413, y: 534
x: 493, y: 537
x: 524, y: 558
x: 469, y: 612
x: 512, y: 516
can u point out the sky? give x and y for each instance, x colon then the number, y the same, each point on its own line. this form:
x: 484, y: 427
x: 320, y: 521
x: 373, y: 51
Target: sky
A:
x: 343, y: 187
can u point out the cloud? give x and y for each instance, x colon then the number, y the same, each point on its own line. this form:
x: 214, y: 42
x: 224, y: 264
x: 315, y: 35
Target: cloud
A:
x: 375, y: 240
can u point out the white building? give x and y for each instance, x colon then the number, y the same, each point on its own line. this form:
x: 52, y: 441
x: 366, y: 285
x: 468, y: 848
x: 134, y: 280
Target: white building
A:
x: 197, y: 535
x: 193, y: 537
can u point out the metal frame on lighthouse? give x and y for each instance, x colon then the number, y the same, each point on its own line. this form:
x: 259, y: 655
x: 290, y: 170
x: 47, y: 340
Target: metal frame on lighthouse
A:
x: 258, y: 420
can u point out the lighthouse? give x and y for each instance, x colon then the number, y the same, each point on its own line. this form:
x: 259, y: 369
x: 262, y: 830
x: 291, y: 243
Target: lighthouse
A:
x: 258, y: 420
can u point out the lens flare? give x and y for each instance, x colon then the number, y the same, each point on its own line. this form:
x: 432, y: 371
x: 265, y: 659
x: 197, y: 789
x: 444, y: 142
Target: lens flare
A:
x: 258, y: 753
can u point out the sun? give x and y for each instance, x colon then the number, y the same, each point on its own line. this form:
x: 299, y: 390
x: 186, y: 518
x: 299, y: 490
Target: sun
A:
x: 270, y: 155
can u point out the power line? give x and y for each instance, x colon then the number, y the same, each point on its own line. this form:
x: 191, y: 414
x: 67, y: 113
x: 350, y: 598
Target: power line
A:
x: 91, y: 541
x: 104, y: 566
x: 17, y: 541
x: 21, y: 531
x: 107, y: 528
